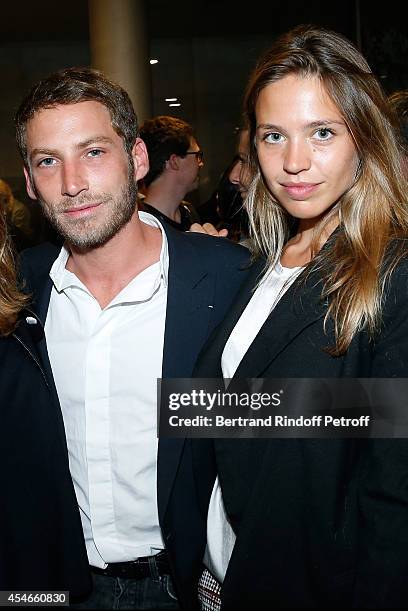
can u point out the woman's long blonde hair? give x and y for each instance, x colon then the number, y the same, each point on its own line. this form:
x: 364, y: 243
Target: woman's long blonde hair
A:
x: 373, y: 212
x: 12, y: 300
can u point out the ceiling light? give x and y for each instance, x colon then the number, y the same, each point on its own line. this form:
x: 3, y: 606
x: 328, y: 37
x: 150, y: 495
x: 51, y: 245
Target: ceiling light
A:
x: 171, y: 99
x: 175, y: 104
x: 154, y: 61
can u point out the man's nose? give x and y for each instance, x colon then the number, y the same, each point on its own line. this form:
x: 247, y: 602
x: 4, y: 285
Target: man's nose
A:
x: 74, y: 180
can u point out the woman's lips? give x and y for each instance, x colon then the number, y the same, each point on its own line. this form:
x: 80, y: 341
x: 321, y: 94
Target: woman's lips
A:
x: 299, y: 191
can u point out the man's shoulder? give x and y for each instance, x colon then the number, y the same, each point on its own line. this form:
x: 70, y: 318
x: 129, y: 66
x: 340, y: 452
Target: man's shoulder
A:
x: 213, y: 244
x: 211, y: 247
x: 45, y: 250
x: 37, y: 259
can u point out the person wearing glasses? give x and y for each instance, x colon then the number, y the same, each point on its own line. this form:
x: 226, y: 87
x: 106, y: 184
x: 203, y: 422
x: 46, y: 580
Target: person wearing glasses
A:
x: 175, y: 161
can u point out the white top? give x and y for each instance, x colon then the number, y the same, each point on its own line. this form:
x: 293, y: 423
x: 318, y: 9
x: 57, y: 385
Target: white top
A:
x: 106, y: 363
x: 220, y: 535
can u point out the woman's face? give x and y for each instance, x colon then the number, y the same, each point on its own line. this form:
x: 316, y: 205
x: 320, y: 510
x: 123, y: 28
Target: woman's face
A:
x: 240, y: 174
x: 305, y: 150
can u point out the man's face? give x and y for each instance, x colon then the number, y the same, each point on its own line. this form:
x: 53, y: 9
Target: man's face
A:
x: 191, y: 167
x: 81, y: 173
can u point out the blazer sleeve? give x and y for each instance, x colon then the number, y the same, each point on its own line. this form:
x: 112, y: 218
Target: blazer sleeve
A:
x: 382, y: 557
x: 382, y: 570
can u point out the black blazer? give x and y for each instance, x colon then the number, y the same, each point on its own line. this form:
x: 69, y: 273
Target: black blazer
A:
x: 204, y: 276
x: 41, y: 541
x: 320, y: 524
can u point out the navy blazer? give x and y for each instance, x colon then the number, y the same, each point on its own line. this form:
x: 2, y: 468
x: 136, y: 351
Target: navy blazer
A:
x: 204, y: 276
x: 321, y: 524
x: 37, y: 495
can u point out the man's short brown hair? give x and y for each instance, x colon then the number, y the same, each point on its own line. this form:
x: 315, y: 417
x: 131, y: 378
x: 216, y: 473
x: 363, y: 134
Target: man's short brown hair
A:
x: 73, y: 85
x: 163, y: 136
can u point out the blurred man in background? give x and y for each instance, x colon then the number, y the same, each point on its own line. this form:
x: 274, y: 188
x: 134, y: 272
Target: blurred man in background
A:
x: 175, y: 161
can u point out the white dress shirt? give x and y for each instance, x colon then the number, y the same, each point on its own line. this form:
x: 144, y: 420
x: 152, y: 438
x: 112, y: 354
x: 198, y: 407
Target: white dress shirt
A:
x: 106, y: 362
x: 220, y: 535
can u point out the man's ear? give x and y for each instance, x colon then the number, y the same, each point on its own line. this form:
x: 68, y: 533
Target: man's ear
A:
x: 29, y: 184
x: 140, y: 159
x: 173, y: 162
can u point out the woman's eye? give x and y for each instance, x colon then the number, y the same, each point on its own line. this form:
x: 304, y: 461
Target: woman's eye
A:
x: 324, y: 133
x: 273, y: 137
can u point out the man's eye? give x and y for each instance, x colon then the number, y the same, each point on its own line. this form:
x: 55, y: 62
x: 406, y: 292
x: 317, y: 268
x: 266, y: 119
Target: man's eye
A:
x: 95, y: 153
x: 48, y: 161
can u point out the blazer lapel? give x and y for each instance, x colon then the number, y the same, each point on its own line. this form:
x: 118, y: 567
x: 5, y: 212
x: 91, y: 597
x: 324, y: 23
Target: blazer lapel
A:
x: 189, y: 307
x: 39, y: 285
x: 30, y: 333
x: 298, y: 308
x: 209, y: 362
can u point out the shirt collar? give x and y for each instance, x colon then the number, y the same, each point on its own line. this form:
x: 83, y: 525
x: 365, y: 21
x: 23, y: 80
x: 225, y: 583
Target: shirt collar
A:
x: 63, y: 278
x: 164, y: 252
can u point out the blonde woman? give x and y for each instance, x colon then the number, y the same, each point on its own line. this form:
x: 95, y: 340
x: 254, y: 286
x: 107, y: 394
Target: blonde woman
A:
x: 41, y: 542
x: 304, y: 523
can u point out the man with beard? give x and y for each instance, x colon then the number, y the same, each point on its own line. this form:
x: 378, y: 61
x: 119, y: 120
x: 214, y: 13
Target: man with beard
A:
x: 125, y: 301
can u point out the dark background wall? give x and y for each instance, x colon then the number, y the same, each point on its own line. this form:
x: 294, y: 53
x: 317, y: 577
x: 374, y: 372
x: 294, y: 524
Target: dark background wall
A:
x: 205, y: 50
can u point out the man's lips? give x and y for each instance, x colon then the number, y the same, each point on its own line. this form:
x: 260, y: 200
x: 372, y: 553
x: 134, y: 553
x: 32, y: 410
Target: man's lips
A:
x: 82, y: 210
x: 298, y: 191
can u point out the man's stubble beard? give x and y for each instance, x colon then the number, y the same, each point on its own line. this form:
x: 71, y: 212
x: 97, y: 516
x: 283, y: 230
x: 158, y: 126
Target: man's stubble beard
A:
x: 83, y: 233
